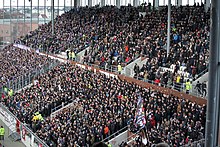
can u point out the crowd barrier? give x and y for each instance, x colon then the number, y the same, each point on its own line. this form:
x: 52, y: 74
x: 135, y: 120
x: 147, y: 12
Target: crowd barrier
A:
x: 27, y: 78
x: 144, y: 84
x: 27, y: 136
x: 113, y: 73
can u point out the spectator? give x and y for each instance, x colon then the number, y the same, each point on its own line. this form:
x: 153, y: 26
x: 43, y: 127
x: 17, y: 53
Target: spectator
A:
x: 101, y: 103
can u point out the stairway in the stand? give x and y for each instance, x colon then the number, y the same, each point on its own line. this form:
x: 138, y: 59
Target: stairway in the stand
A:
x: 129, y: 69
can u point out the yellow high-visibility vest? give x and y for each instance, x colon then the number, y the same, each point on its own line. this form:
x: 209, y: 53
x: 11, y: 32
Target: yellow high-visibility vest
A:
x: 188, y: 85
x: 178, y: 79
x: 73, y: 55
x: 2, y: 131
x: 119, y: 68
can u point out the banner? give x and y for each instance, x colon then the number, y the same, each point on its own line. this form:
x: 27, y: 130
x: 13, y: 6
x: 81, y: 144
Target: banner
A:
x: 22, y: 47
x: 140, y: 120
x: 18, y: 127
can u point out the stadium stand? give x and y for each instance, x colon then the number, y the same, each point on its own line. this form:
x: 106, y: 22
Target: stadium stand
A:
x: 105, y: 106
x: 16, y: 62
x: 121, y: 35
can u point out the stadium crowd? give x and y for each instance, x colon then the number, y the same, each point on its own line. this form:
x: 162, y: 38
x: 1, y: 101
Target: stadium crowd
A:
x: 103, y: 106
x: 189, y: 46
x: 117, y: 36
x: 15, y: 62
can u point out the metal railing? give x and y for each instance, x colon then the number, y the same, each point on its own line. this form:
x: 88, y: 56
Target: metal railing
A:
x: 131, y: 138
x: 115, y: 134
x: 27, y: 78
x: 33, y: 140
x: 178, y: 87
x: 56, y: 110
x: 201, y: 74
x: 110, y: 68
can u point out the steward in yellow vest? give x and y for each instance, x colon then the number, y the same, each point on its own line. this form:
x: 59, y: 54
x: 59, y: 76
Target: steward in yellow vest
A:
x: 2, y: 133
x: 119, y: 68
x: 188, y: 86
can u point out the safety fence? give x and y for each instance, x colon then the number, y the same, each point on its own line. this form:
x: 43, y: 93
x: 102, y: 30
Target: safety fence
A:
x: 176, y: 86
x: 15, y: 126
x: 71, y: 104
x: 27, y: 78
x: 115, y: 134
x: 107, y: 68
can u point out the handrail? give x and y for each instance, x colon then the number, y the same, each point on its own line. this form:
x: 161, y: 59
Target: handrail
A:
x: 114, y: 134
x: 201, y: 73
x: 132, y: 136
x: 180, y: 86
x: 62, y: 106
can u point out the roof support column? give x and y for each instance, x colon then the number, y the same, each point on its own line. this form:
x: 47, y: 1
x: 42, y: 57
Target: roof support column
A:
x: 118, y: 3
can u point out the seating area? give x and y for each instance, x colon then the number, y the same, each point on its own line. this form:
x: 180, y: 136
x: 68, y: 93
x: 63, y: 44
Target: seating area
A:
x: 105, y: 105
x: 15, y: 62
x: 121, y: 35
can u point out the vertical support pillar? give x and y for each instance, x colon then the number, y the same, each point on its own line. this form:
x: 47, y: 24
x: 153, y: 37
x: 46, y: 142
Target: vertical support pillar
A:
x: 126, y: 3
x: 38, y: 12
x: 3, y: 19
x: 10, y: 31
x: 156, y: 4
x: 212, y: 114
x: 79, y: 3
x: 179, y: 2
x: 64, y: 6
x: 102, y: 3
x: 58, y: 10
x: 90, y: 3
x: 52, y: 16
x: 168, y: 27
x: 207, y: 5
x: 118, y: 3
x: 45, y: 6
x: 75, y: 3
x: 17, y: 21
x: 31, y: 14
x: 135, y: 3
x: 24, y: 26
x: 187, y: 2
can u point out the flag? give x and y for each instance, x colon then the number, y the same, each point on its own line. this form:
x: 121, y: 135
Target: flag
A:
x: 140, y: 120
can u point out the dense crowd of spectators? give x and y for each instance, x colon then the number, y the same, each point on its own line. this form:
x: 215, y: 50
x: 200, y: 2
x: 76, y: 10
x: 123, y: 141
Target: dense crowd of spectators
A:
x: 73, y: 31
x: 15, y: 62
x: 120, y: 35
x: 189, y: 45
x: 104, y: 105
